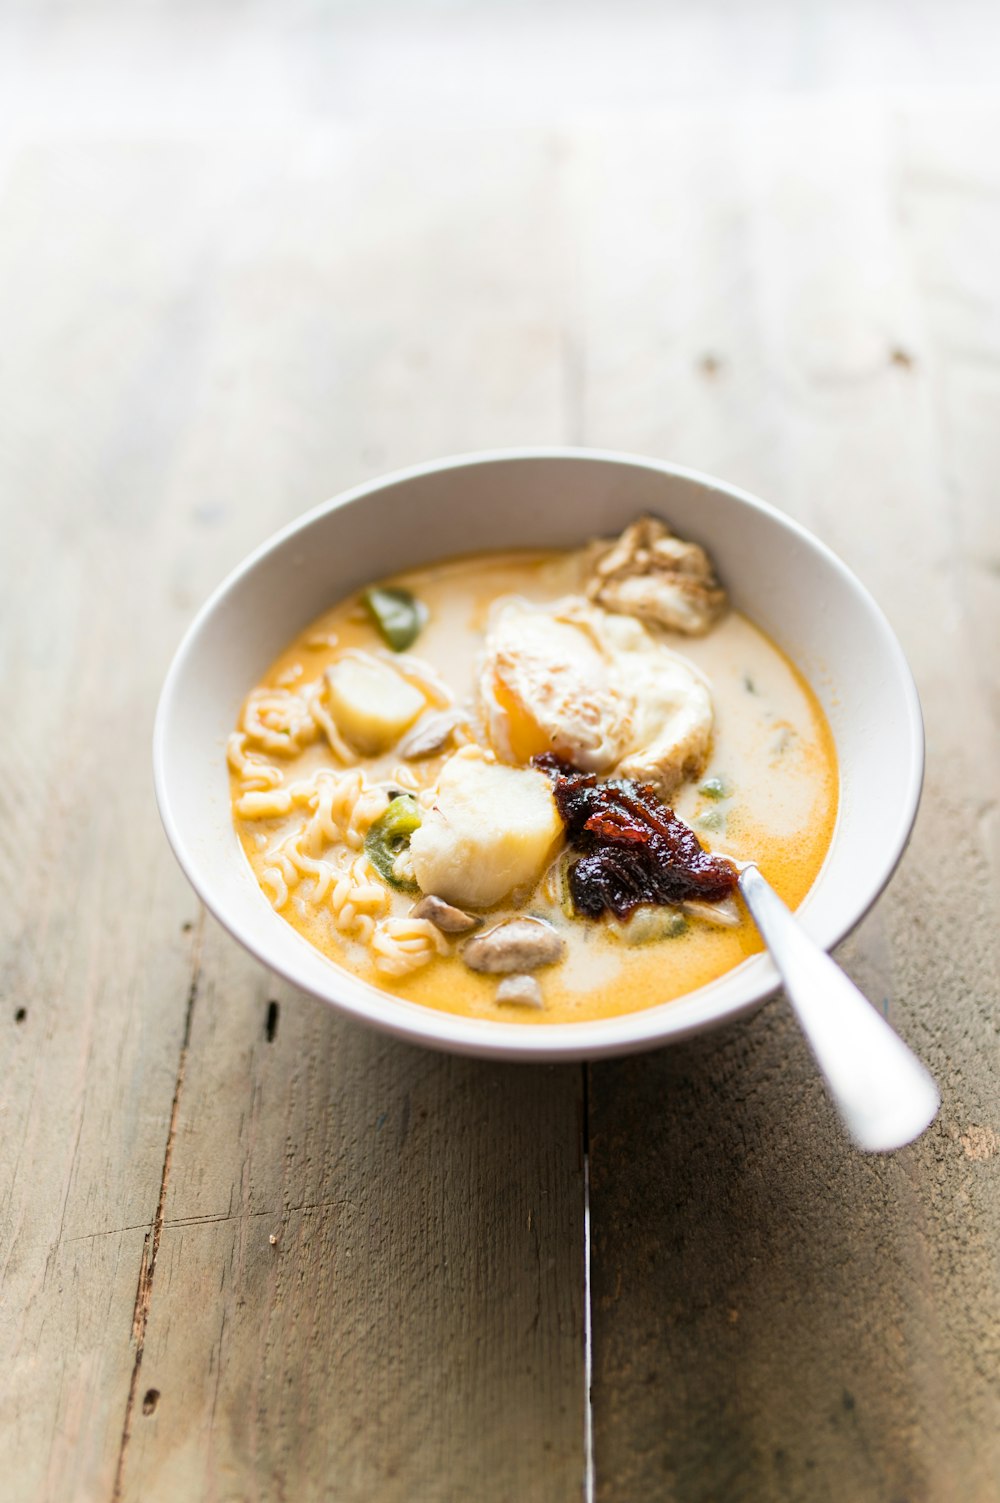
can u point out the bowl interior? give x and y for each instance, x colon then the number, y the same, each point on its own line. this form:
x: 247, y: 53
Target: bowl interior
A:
x: 780, y: 576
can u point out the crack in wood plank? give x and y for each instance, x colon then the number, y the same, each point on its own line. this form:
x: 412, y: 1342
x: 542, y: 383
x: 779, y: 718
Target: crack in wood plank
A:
x: 151, y: 1242
x: 215, y: 1219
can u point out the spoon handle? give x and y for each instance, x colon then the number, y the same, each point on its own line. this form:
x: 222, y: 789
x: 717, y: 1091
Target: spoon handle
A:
x: 884, y: 1094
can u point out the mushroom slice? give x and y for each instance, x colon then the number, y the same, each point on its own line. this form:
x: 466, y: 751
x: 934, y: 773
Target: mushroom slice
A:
x: 516, y: 945
x: 657, y: 577
x: 521, y: 991
x: 431, y: 734
x: 443, y: 916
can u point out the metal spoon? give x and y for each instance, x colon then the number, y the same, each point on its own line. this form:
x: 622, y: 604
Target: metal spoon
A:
x: 883, y: 1093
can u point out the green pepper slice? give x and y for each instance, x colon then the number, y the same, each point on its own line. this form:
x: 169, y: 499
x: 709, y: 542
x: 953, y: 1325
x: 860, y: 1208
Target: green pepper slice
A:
x: 714, y: 788
x: 398, y: 615
x: 389, y: 837
x: 647, y: 925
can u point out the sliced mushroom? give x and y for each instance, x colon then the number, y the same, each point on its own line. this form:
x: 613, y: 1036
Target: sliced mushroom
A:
x: 520, y: 944
x: 521, y: 991
x: 443, y: 916
x: 431, y: 734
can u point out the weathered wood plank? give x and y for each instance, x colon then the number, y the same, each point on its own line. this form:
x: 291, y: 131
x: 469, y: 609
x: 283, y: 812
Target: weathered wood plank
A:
x: 96, y: 957
x: 776, y: 1316
x: 198, y: 345
x: 418, y: 1321
x: 414, y: 1329
x: 198, y: 342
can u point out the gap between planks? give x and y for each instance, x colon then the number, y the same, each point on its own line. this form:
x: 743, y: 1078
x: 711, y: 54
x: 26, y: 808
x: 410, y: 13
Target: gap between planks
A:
x: 151, y: 1242
x: 589, y: 1474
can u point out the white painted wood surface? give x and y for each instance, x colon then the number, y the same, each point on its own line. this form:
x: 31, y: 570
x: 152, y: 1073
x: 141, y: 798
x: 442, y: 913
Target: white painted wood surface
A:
x: 210, y: 320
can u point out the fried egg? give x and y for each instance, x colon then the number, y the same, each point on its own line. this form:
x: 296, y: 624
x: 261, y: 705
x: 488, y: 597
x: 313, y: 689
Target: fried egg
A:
x: 601, y: 690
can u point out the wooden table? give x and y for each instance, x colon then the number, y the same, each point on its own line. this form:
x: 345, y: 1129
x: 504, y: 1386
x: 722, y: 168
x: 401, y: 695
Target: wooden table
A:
x: 250, y: 1250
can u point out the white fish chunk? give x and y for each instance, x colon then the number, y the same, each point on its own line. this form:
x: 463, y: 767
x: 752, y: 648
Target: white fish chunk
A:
x: 653, y: 575
x: 520, y: 991
x: 491, y: 828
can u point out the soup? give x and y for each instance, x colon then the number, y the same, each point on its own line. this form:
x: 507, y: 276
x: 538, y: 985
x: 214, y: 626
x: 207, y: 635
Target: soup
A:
x: 458, y: 784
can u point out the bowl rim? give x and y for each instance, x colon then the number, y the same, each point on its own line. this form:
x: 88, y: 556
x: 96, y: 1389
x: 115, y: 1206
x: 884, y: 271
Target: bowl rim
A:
x: 655, y: 1026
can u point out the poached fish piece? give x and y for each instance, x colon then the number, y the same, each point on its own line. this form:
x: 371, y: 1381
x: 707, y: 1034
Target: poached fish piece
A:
x: 651, y: 574
x: 490, y: 829
x: 600, y: 690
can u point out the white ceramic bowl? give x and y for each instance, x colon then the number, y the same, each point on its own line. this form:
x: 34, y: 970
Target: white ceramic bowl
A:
x: 776, y: 572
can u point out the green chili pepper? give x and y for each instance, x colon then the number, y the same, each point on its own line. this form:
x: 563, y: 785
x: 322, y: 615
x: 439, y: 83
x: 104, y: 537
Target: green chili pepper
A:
x: 398, y: 615
x: 389, y: 837
x: 714, y: 788
x: 648, y: 925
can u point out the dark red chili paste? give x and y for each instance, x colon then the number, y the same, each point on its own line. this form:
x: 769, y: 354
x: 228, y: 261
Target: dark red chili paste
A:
x: 634, y: 849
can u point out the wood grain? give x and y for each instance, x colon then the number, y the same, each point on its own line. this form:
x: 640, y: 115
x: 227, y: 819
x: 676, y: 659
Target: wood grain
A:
x: 97, y: 960
x: 205, y: 333
x: 419, y: 1318
x: 776, y: 1316
x: 414, y: 1327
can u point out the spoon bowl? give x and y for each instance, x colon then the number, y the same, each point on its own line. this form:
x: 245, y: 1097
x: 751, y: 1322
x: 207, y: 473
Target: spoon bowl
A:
x: 883, y: 1093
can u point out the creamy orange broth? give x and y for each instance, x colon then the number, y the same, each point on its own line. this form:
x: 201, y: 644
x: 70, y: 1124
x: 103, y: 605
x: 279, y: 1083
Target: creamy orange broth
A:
x: 771, y: 747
